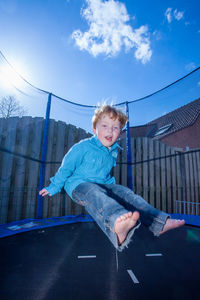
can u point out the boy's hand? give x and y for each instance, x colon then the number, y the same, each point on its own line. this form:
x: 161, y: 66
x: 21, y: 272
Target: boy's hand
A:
x: 44, y: 192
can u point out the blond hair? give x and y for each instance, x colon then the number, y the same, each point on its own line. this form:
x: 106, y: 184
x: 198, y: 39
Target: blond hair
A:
x: 112, y: 112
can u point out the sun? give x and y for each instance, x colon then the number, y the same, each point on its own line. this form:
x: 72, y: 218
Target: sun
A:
x: 10, y: 77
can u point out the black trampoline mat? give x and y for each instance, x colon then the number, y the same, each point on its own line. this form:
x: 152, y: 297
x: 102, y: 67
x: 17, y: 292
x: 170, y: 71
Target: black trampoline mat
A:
x: 77, y: 261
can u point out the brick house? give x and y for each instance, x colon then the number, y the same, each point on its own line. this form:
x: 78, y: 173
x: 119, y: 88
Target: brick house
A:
x: 179, y: 128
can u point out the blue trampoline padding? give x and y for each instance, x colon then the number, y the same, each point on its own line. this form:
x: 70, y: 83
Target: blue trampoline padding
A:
x: 32, y: 224
x: 189, y: 219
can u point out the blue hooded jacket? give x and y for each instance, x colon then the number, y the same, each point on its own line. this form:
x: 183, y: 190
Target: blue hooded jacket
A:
x: 87, y: 161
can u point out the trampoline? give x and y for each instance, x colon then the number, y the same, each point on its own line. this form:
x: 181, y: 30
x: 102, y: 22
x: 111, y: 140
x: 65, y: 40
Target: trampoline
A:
x: 77, y: 261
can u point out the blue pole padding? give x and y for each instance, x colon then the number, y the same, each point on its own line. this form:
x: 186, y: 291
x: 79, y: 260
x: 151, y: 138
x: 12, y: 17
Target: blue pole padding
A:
x: 43, y: 158
x: 128, y: 149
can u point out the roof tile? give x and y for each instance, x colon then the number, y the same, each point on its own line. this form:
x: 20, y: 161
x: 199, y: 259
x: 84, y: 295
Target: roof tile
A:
x: 180, y: 118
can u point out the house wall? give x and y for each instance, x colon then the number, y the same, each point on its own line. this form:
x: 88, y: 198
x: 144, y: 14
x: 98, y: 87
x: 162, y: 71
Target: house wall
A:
x: 141, y: 131
x: 189, y: 136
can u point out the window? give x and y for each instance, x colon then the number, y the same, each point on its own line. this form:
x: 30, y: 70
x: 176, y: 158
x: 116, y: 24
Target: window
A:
x: 163, y: 129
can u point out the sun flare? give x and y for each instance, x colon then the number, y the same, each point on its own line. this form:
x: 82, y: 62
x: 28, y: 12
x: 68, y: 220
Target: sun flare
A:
x: 10, y: 77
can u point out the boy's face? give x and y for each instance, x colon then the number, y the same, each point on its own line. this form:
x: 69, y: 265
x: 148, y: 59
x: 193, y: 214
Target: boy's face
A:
x: 107, y: 130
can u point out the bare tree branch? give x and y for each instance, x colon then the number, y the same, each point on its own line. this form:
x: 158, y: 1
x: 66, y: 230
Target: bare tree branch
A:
x: 10, y: 107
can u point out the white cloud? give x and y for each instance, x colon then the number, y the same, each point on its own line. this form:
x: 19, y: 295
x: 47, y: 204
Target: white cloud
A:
x: 109, y: 32
x: 157, y: 34
x: 168, y: 14
x: 198, y: 83
x: 171, y: 14
x: 178, y: 15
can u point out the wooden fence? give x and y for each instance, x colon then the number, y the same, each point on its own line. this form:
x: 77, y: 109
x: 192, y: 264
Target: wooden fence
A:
x: 166, y: 177
x: 19, y: 177
x: 170, y: 183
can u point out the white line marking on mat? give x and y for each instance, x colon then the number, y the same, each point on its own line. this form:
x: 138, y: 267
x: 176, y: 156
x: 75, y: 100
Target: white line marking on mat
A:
x: 87, y: 256
x: 130, y: 272
x: 154, y: 254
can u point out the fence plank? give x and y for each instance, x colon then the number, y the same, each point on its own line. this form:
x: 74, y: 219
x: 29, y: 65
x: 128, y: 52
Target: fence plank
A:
x: 181, y: 180
x: 173, y: 181
x: 191, y: 170
x: 33, y: 168
x: 7, y: 166
x: 187, y: 177
x: 2, y: 122
x: 145, y: 173
x: 198, y: 181
x: 138, y: 167
x: 22, y: 139
x: 163, y: 177
x: 157, y: 175
x: 168, y: 181
x: 196, y: 194
x: 151, y: 174
x: 2, y: 138
x: 133, y: 151
x: 124, y: 174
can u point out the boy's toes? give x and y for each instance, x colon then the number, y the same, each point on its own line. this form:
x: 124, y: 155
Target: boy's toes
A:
x: 124, y: 216
x: 135, y: 215
x: 172, y: 224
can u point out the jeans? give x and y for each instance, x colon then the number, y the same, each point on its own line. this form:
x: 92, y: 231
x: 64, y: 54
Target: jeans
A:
x: 106, y: 202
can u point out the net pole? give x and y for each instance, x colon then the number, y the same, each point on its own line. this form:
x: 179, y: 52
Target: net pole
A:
x: 128, y: 147
x: 43, y: 158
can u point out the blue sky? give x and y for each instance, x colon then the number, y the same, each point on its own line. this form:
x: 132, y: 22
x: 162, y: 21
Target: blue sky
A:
x: 90, y: 51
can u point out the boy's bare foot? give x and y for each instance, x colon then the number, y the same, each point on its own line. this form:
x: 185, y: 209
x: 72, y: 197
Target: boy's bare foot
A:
x: 171, y: 224
x: 124, y: 224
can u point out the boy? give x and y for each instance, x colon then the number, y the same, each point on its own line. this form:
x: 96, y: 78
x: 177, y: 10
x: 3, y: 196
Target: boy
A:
x: 85, y: 175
